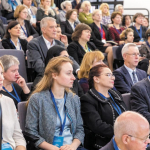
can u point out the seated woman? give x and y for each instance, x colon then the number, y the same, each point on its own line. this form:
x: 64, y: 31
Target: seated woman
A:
x: 100, y: 107
x: 9, y: 7
x: 139, y: 30
x: 57, y: 50
x: 53, y: 6
x: 145, y: 22
x: 14, y: 85
x: 126, y: 21
x: 11, y: 39
x: 80, y: 44
x: 100, y: 36
x: 104, y: 7
x: 90, y: 59
x: 27, y: 30
x: 85, y: 16
x: 69, y: 25
x: 46, y: 11
x: 12, y: 137
x: 116, y: 30
x: 53, y: 111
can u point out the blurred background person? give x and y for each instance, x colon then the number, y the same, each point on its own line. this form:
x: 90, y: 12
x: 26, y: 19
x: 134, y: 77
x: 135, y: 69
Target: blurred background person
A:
x: 126, y: 21
x: 53, y: 6
x: 145, y: 22
x: 119, y: 8
x: 75, y: 3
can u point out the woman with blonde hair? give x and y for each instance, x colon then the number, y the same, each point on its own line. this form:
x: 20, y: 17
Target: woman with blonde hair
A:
x: 90, y: 59
x: 104, y: 7
x: 53, y: 112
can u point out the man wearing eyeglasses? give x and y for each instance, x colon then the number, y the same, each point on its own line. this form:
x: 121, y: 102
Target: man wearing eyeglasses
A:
x: 131, y: 132
x: 127, y: 75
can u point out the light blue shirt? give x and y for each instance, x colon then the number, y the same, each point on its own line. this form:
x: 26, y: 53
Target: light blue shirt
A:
x: 130, y: 71
x: 68, y: 138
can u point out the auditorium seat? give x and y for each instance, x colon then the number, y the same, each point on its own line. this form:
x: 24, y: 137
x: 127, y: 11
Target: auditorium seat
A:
x: 126, y: 99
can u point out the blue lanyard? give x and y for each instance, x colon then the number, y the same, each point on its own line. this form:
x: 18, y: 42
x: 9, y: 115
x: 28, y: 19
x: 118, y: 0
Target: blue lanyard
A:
x: 24, y: 31
x: 101, y: 32
x: 14, y: 44
x: 62, y: 124
x: 115, y: 145
x: 117, y: 30
x: 15, y: 97
x: 140, y: 34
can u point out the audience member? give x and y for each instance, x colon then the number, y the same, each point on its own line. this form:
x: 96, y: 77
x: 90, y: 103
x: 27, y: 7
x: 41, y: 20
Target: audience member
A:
x: 9, y: 7
x: 145, y: 22
x: 3, y: 19
x: 100, y: 107
x: 11, y: 39
x: 46, y: 11
x: 53, y: 6
x: 85, y: 16
x: 27, y: 30
x: 139, y: 30
x: 90, y: 59
x: 36, y: 3
x: 12, y: 137
x: 131, y: 132
x: 2, y: 30
x: 39, y: 46
x: 14, y: 84
x: 53, y: 90
x: 69, y: 25
x: 78, y: 7
x: 100, y: 36
x: 119, y: 8
x: 104, y: 7
x: 116, y: 30
x: 127, y: 75
x: 126, y: 21
x: 75, y: 3
x: 80, y: 44
x: 32, y: 10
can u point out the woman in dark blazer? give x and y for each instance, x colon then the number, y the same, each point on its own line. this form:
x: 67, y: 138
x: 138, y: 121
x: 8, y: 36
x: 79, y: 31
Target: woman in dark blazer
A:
x: 80, y: 44
x: 11, y: 39
x: 27, y: 30
x: 100, y: 35
x: 69, y: 25
x: 100, y: 107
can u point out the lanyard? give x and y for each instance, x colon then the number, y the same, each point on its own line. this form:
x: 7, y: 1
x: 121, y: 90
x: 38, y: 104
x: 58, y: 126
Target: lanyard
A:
x: 87, y: 48
x: 24, y: 31
x: 115, y: 145
x: 101, y: 32
x: 140, y: 34
x: 62, y: 124
x: 15, y: 97
x: 117, y: 30
x: 14, y: 44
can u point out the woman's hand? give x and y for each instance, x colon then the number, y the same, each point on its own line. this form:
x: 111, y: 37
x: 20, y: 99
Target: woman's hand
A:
x: 64, y: 39
x: 46, y: 9
x: 29, y: 38
x: 67, y: 147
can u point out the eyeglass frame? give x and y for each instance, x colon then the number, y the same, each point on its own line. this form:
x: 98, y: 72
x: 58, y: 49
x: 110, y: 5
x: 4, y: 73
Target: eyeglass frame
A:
x: 109, y: 75
x: 134, y: 54
x: 144, y: 141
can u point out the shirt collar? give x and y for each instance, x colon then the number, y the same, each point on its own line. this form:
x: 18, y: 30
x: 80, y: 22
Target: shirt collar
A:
x: 48, y: 44
x: 129, y: 69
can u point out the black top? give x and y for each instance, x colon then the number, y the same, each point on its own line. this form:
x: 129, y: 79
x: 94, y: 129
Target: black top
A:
x: 136, y: 35
x: 22, y: 96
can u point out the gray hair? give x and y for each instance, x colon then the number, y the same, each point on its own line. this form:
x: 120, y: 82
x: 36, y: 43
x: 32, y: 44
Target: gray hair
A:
x: 95, y: 11
x: 44, y: 21
x: 125, y: 48
x: 84, y: 3
x: 64, y: 3
x: 8, y: 61
x: 117, y: 7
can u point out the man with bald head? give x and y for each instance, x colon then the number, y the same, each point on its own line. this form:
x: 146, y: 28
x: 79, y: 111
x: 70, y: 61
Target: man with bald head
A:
x: 131, y: 132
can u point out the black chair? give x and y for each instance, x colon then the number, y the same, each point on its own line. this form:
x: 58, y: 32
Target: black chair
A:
x: 126, y: 99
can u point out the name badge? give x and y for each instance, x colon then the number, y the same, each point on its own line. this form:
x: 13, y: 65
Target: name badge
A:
x: 33, y: 16
x: 141, y: 40
x: 14, y: 7
x: 103, y: 40
x: 58, y: 141
x: 6, y: 146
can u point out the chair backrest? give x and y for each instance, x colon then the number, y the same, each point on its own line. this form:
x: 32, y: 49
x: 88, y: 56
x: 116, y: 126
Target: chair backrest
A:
x: 28, y: 63
x: 126, y: 99
x: 21, y: 57
x: 29, y: 84
x: 22, y: 109
x: 5, y: 26
x: 114, y: 52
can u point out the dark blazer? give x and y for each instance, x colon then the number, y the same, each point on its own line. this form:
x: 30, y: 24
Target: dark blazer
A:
x: 96, y: 35
x: 8, y: 45
x: 30, y: 29
x: 99, y: 116
x: 140, y: 98
x: 109, y: 146
x: 77, y: 52
x: 67, y: 29
x: 123, y: 81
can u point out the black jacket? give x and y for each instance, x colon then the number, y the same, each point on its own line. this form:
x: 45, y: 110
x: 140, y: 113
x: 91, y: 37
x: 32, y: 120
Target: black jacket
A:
x: 109, y: 146
x: 8, y: 45
x: 77, y: 52
x: 99, y: 116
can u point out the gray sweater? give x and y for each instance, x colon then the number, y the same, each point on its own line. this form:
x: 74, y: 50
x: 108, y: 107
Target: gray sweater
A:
x: 41, y: 117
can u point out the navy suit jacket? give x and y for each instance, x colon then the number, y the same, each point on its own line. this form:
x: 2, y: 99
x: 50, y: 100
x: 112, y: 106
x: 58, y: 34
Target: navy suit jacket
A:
x: 108, y: 146
x: 123, y: 81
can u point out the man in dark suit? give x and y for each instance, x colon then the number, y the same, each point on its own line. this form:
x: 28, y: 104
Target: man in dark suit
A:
x: 127, y: 75
x: 131, y: 132
x: 39, y: 46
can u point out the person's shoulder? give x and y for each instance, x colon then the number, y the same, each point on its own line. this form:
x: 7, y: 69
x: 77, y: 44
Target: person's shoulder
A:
x: 140, y: 84
x: 36, y: 40
x: 6, y: 40
x: 57, y: 42
x: 132, y: 27
x: 108, y: 146
x: 7, y: 100
x: 120, y: 69
x: 73, y: 43
x: 141, y: 71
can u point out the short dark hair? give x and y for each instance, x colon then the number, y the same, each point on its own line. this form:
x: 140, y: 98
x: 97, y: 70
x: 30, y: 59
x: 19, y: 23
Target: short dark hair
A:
x: 147, y: 34
x: 137, y: 15
x: 114, y: 14
x: 78, y: 31
x: 69, y: 13
x: 124, y: 19
x: 10, y: 26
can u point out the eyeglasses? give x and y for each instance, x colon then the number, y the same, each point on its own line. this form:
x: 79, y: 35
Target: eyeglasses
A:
x: 143, y: 140
x: 134, y: 54
x: 109, y: 75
